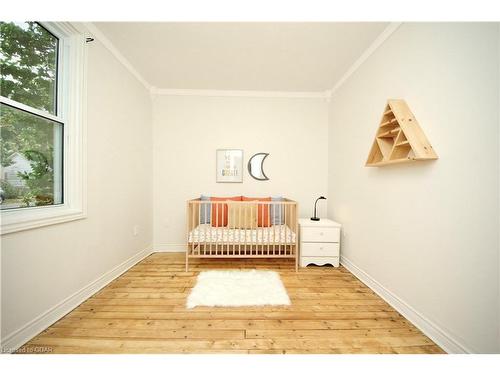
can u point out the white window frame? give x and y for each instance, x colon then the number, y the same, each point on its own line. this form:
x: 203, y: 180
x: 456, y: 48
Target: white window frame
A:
x: 71, y: 104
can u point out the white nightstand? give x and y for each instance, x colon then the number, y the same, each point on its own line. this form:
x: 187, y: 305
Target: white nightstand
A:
x: 319, y: 242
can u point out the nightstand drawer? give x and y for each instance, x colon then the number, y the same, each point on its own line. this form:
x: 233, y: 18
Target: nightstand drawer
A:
x: 320, y: 234
x: 318, y: 249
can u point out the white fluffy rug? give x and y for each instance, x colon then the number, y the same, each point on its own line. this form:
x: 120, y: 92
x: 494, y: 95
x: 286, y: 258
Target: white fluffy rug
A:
x: 238, y: 288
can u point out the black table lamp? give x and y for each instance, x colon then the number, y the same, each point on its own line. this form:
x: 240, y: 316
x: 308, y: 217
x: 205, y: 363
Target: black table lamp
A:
x: 314, y: 218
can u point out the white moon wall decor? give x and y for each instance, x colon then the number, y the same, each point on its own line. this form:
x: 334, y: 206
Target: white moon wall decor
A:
x: 256, y: 166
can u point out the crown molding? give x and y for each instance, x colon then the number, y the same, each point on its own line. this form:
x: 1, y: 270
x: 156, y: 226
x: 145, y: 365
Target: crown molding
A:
x: 384, y: 35
x: 241, y: 93
x: 96, y: 33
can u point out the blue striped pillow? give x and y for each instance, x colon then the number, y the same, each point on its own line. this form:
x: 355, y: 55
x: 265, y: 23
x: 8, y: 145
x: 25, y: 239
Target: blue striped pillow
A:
x: 205, y: 210
x: 277, y: 211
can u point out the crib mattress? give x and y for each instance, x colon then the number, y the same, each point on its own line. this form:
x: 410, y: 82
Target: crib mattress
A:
x: 263, y: 235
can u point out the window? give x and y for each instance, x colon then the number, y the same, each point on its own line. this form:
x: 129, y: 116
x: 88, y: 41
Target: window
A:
x: 41, y: 124
x: 31, y: 142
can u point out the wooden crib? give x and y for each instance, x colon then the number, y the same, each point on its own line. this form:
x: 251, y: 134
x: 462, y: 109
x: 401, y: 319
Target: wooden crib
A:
x: 242, y: 229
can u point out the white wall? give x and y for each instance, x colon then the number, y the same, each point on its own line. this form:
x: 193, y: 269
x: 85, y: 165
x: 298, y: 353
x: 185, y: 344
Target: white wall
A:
x: 427, y: 232
x: 189, y: 129
x: 43, y: 267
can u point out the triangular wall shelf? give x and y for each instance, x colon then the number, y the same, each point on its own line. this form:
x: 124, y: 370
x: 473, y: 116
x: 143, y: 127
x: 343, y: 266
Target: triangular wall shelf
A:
x: 399, y: 138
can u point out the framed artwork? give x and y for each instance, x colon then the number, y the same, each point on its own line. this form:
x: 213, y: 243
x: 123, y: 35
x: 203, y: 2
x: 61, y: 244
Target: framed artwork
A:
x: 229, y: 165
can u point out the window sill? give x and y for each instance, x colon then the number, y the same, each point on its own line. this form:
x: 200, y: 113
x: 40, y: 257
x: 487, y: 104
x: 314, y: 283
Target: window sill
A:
x: 36, y: 217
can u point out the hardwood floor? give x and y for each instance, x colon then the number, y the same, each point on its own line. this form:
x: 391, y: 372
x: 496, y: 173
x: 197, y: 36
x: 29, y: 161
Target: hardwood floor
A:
x: 143, y: 311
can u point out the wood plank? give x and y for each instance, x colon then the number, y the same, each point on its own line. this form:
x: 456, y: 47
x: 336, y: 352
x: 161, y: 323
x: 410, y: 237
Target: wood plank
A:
x: 166, y: 345
x: 164, y: 309
x: 180, y: 300
x: 238, y: 315
x: 130, y: 333
x: 247, y: 324
x: 326, y: 333
x: 303, y: 293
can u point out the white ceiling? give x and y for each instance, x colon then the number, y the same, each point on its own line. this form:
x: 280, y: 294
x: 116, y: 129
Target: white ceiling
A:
x: 242, y: 56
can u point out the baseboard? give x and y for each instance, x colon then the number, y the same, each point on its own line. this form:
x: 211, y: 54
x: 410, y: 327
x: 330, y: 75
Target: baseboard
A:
x: 430, y: 329
x: 169, y: 248
x: 16, y: 339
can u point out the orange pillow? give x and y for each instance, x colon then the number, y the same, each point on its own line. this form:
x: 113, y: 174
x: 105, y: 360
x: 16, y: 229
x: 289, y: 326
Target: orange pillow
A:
x: 263, y: 219
x: 219, y: 210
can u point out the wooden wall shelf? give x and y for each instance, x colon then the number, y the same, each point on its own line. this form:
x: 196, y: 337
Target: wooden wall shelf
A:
x: 399, y: 138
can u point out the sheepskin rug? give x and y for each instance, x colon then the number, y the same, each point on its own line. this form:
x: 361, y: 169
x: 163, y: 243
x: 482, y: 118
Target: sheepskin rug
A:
x: 238, y: 288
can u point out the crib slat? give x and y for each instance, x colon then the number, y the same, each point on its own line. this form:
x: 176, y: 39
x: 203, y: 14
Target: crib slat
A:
x: 290, y: 221
x: 266, y: 249
x: 274, y: 229
x: 209, y: 227
x: 192, y: 226
x: 286, y: 233
x: 241, y: 239
x: 239, y: 230
x: 277, y: 228
x: 261, y: 232
x: 244, y: 208
x: 268, y: 231
x: 193, y: 243
x: 196, y: 222
x: 222, y: 228
x: 273, y: 223
x: 283, y: 223
x: 217, y: 226
x: 187, y: 234
x: 241, y: 243
x: 252, y: 241
x: 217, y: 229
x: 296, y: 248
x: 281, y: 220
x: 289, y: 229
x: 208, y: 242
x: 249, y: 231
x: 225, y: 233
x: 213, y: 226
x: 230, y: 245
x: 296, y: 221
x: 254, y: 228
x: 197, y: 225
x: 227, y: 229
x: 245, y: 232
x: 283, y: 228
x: 204, y: 228
x: 278, y: 224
